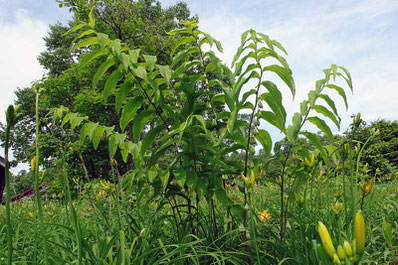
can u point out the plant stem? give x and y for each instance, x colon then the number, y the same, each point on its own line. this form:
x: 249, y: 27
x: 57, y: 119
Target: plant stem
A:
x: 7, y: 177
x: 37, y: 191
x: 75, y: 221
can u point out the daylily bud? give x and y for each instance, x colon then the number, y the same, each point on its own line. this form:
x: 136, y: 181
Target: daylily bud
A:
x: 43, y: 174
x: 357, y: 119
x: 336, y: 259
x: 10, y: 114
x: 326, y: 240
x: 310, y: 163
x: 30, y: 215
x: 341, y: 253
x: 245, y: 179
x: 359, y: 233
x: 252, y: 179
x: 347, y: 248
x: 369, y: 187
x: 33, y: 164
x: 347, y: 148
x: 357, y: 148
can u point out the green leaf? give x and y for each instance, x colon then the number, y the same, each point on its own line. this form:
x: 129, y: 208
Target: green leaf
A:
x: 330, y: 102
x: 276, y: 107
x: 284, y: 74
x: 182, y: 55
x: 222, y: 197
x: 181, y: 42
x: 87, y: 58
x: 150, y: 137
x: 115, y: 140
x: 129, y: 111
x: 340, y: 91
x: 134, y: 54
x: 165, y: 71
x: 271, y: 118
x: 327, y: 113
x: 231, y: 120
x: 387, y: 232
x: 150, y: 61
x: 312, y: 97
x: 85, y: 42
x: 75, y: 28
x: 111, y: 83
x: 152, y: 173
x: 122, y: 94
x: 139, y: 122
x: 191, y: 180
x: 164, y: 176
x: 102, y: 39
x: 313, y: 138
x: 291, y: 134
x: 265, y: 140
x: 140, y: 72
x: 321, y: 124
x: 304, y: 107
x: 180, y: 177
x: 88, y: 129
x: 297, y: 119
x: 218, y: 45
x: 348, y: 79
x: 97, y: 135
x: 84, y: 33
x: 102, y: 69
x: 91, y: 20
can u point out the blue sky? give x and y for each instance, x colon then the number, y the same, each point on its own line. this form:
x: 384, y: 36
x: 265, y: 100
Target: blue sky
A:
x: 360, y: 35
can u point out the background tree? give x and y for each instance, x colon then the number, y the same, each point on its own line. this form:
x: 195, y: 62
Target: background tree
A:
x: 142, y: 24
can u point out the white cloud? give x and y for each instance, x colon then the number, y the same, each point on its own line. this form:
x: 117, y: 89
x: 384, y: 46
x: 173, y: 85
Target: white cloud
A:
x: 362, y: 36
x: 20, y: 45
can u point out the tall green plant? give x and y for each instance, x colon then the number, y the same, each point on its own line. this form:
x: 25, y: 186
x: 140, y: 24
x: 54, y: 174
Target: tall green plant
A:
x: 36, y: 89
x: 11, y: 118
x: 169, y: 108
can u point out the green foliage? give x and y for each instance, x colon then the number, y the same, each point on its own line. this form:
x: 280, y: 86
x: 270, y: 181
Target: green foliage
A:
x: 176, y: 135
x: 70, y: 84
x: 382, y: 152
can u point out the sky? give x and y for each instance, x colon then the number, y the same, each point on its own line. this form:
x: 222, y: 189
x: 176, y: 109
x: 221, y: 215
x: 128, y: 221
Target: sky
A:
x: 359, y: 35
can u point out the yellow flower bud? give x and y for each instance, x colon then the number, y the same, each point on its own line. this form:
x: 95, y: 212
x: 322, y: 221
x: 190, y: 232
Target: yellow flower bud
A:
x: 341, y: 253
x: 31, y: 215
x: 326, y: 240
x: 33, y: 164
x: 245, y: 179
x: 252, y: 179
x: 357, y: 148
x: 310, y: 163
x: 369, y: 187
x: 336, y: 259
x: 347, y: 248
x: 347, y: 148
x: 359, y: 233
x: 43, y: 174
